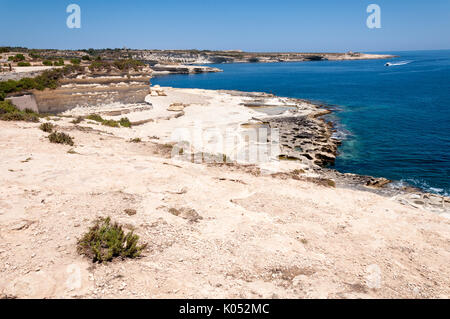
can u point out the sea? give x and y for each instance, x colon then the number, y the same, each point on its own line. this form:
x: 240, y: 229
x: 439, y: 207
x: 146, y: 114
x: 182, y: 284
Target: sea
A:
x: 394, y: 120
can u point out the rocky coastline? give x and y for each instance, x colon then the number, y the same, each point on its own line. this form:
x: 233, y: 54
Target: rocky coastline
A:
x: 219, y: 57
x: 306, y: 136
x: 321, y: 232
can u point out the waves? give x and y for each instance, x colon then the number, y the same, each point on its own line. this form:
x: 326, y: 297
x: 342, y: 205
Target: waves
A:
x: 421, y: 184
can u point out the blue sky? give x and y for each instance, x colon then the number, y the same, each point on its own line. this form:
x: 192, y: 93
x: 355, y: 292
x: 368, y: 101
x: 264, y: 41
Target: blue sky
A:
x: 296, y: 25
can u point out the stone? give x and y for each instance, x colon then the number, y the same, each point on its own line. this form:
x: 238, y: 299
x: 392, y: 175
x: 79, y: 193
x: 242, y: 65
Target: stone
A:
x: 378, y: 182
x: 130, y: 212
x: 186, y: 213
x: 176, y: 107
x: 436, y: 201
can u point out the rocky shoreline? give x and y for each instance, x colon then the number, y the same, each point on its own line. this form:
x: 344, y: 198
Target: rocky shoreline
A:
x: 307, y: 137
x: 237, y: 56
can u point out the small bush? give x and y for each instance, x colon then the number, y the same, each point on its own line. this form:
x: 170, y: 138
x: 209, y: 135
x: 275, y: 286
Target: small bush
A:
x: 19, y: 116
x: 47, y: 127
x: 125, y: 65
x: 7, y: 107
x: 61, y: 138
x: 136, y: 140
x: 17, y: 58
x: 95, y: 117
x: 100, y: 66
x: 98, y: 118
x: 60, y: 62
x: 47, y: 63
x: 20, y: 57
x: 78, y: 120
x: 23, y: 64
x: 110, y: 123
x: 105, y: 241
x: 125, y: 122
x: 8, y: 112
x: 86, y: 58
x: 34, y: 55
x: 75, y: 61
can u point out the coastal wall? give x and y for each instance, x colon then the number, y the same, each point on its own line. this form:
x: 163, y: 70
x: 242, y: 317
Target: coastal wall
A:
x: 24, y: 102
x: 87, y: 90
x: 92, y: 92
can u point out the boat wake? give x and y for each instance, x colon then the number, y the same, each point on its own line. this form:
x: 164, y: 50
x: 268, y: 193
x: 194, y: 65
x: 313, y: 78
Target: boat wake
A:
x: 397, y: 63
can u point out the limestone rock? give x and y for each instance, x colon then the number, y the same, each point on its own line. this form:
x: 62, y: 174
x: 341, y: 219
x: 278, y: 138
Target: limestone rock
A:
x: 176, y: 107
x: 378, y: 182
x: 186, y: 213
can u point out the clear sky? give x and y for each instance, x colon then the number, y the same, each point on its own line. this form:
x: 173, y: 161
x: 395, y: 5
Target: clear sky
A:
x: 281, y: 25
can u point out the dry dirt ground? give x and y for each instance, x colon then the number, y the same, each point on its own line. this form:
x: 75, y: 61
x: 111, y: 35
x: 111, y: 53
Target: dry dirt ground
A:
x: 251, y: 236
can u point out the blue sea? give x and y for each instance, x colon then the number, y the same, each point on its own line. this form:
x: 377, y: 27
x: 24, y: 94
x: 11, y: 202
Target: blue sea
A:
x: 395, y: 121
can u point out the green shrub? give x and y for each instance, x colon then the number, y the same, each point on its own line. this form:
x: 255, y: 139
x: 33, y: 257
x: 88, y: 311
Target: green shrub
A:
x: 125, y: 65
x: 86, y: 58
x: 61, y: 138
x: 47, y: 63
x: 100, y: 66
x: 34, y: 55
x: 8, y: 112
x: 99, y: 119
x: 20, y: 57
x: 78, y: 120
x: 19, y: 116
x: 75, y: 61
x: 105, y: 241
x: 110, y: 123
x: 135, y: 140
x: 7, y: 107
x: 47, y: 127
x: 17, y: 58
x: 125, y: 122
x: 60, y: 62
x: 95, y: 117
x: 23, y: 64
